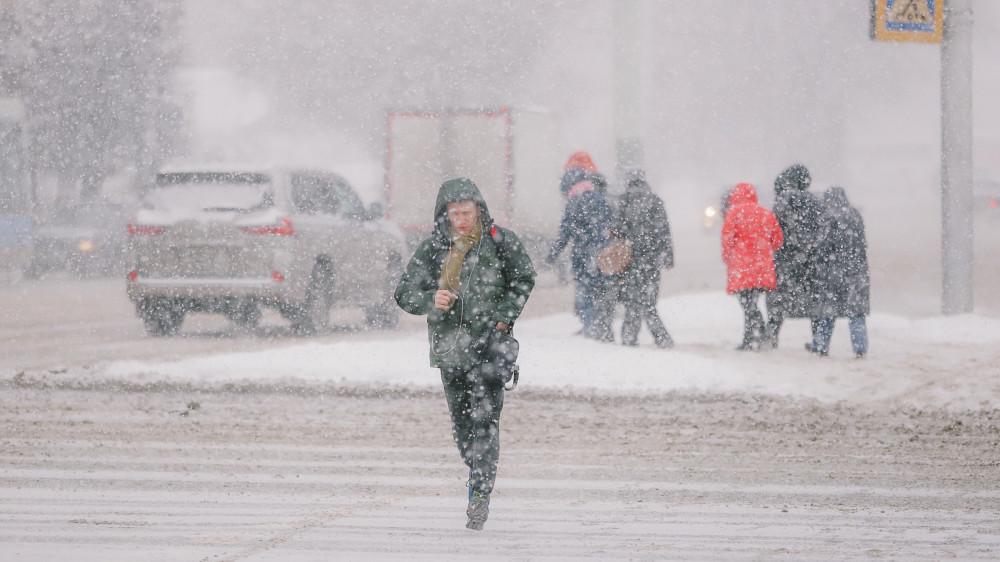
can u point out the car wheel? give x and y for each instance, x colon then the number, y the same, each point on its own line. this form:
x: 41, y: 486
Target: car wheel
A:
x: 315, y: 314
x: 160, y: 316
x: 245, y: 314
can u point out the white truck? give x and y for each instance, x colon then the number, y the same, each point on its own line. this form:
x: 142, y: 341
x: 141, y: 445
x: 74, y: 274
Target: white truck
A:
x: 514, y: 156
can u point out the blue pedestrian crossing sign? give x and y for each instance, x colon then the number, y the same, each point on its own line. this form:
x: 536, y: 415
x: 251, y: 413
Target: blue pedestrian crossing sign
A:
x: 919, y: 21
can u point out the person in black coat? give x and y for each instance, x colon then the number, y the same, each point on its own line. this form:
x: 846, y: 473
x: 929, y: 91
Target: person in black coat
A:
x: 642, y: 221
x: 800, y: 215
x: 844, y: 278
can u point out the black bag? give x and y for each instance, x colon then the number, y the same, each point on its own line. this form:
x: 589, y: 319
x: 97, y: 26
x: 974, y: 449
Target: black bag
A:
x: 498, y: 357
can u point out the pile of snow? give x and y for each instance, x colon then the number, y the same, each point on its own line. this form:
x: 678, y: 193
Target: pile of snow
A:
x: 948, y: 362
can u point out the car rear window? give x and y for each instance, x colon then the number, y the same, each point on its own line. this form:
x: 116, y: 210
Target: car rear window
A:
x: 211, y: 191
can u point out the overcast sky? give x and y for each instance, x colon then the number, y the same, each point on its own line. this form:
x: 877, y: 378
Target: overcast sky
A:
x: 732, y: 90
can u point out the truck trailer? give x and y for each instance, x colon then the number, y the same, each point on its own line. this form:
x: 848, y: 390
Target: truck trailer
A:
x: 514, y: 156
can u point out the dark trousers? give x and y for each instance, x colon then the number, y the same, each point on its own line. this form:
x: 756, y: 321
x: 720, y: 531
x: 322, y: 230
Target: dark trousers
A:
x: 753, y: 320
x: 774, y: 321
x: 475, y: 423
x: 595, y: 308
x: 639, y: 297
x: 635, y: 314
x: 822, y: 329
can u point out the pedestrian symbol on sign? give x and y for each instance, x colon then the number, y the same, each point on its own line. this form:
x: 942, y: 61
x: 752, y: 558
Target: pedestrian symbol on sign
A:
x: 907, y: 20
x: 910, y: 11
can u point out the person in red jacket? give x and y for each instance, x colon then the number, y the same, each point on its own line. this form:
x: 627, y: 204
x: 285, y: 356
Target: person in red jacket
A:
x: 750, y: 236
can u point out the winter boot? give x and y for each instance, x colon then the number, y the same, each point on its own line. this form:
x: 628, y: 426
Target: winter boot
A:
x: 768, y: 341
x: 817, y: 351
x: 750, y: 343
x: 753, y: 331
x: 659, y: 331
x: 478, y: 510
x: 664, y: 342
x: 771, y: 329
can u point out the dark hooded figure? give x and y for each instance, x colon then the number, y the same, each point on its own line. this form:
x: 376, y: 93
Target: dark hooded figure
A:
x: 642, y: 221
x: 467, y: 277
x: 843, y: 275
x: 586, y: 222
x: 800, y: 215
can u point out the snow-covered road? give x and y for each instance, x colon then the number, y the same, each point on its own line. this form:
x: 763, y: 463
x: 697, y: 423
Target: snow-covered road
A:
x: 334, y: 473
x: 222, y: 446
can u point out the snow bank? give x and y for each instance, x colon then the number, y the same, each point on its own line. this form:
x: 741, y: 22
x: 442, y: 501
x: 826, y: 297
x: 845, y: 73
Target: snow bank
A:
x: 949, y: 362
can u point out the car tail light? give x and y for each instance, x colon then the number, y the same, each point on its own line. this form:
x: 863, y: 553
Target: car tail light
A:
x: 133, y: 276
x: 277, y: 277
x: 993, y: 203
x: 144, y: 229
x: 283, y: 228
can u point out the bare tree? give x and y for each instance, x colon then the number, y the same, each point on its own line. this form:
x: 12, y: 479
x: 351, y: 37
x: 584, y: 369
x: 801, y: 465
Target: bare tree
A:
x: 95, y: 82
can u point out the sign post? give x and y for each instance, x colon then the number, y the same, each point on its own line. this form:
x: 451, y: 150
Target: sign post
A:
x: 956, y: 160
x: 933, y: 21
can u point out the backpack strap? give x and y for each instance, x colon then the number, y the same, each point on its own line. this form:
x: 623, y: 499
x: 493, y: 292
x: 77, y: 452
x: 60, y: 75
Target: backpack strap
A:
x: 500, y: 241
x: 496, y: 234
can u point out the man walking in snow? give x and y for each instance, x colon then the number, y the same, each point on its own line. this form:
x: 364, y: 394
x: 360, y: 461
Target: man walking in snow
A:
x: 468, y: 276
x: 642, y: 221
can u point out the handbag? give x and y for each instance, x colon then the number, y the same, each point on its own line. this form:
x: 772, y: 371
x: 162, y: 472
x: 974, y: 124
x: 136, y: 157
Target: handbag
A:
x: 498, y: 357
x: 615, y: 258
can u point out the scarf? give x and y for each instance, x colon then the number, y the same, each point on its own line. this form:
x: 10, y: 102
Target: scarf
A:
x: 579, y: 188
x: 451, y: 270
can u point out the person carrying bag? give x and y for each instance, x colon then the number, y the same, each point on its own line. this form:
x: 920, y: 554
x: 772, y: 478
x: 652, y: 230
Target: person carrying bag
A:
x: 471, y: 279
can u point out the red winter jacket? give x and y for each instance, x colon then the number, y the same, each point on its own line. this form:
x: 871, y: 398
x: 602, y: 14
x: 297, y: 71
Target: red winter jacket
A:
x: 750, y: 236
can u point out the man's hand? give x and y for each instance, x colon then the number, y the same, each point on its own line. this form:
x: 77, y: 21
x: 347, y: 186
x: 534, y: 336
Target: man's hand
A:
x: 503, y: 327
x: 443, y: 299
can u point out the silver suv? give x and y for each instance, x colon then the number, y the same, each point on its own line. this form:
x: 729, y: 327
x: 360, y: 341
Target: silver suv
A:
x: 233, y: 241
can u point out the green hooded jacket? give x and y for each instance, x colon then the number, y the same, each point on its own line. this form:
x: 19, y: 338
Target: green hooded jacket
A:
x: 497, y: 277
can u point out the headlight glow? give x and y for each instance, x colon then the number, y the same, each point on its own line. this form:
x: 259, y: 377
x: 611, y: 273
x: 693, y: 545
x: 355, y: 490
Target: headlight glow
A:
x: 85, y: 245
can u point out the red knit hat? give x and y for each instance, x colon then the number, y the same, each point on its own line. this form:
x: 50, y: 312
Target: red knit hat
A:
x: 581, y: 160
